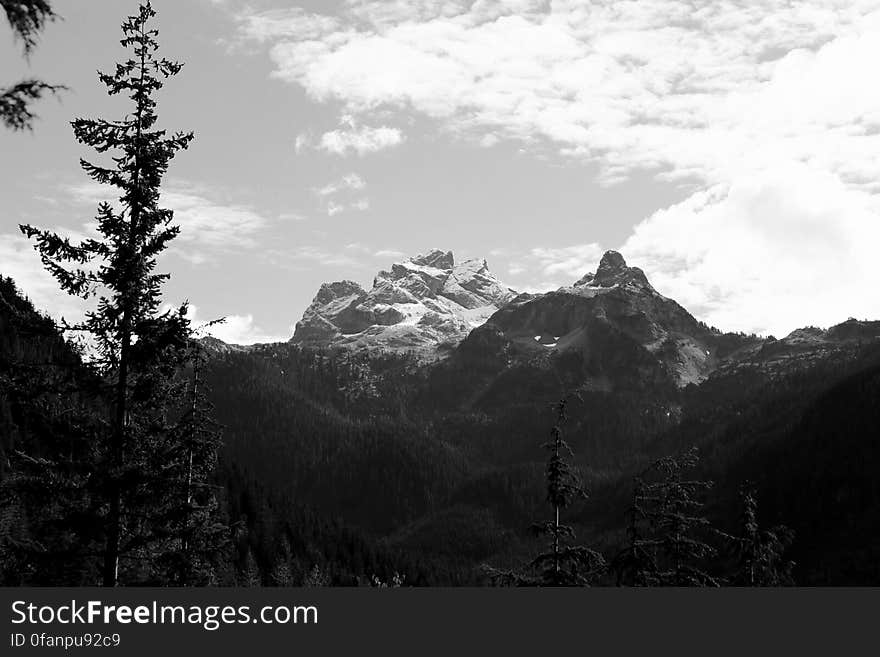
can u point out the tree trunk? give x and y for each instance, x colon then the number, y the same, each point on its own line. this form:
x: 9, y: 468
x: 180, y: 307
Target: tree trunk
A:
x: 114, y: 518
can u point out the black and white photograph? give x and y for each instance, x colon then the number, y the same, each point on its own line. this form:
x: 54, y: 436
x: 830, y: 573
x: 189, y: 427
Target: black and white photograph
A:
x: 439, y: 294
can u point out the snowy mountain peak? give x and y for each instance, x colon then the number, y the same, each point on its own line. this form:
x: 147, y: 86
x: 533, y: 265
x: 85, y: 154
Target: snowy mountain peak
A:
x: 435, y: 258
x: 418, y: 304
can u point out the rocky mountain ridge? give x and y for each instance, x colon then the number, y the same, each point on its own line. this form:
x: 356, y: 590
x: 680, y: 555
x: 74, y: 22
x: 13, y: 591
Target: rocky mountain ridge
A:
x: 425, y: 304
x: 611, y: 321
x: 612, y: 309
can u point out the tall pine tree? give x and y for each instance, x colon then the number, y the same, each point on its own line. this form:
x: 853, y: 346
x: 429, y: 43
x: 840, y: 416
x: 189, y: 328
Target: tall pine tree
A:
x: 563, y: 564
x: 156, y: 450
x: 760, y: 553
x: 668, y: 537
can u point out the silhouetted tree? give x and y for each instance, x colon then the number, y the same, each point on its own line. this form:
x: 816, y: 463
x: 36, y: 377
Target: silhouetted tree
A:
x: 27, y: 18
x: 635, y: 564
x: 156, y: 451
x: 760, y: 552
x: 250, y: 575
x: 562, y: 564
x: 667, y: 533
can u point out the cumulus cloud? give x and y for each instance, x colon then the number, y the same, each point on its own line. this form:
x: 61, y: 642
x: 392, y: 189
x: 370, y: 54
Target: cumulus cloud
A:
x: 655, y: 84
x: 360, y: 140
x: 351, y: 138
x: 768, y: 253
x: 234, y: 329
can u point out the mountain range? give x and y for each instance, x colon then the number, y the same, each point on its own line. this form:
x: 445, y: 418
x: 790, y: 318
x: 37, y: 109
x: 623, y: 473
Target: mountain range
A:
x: 613, y: 318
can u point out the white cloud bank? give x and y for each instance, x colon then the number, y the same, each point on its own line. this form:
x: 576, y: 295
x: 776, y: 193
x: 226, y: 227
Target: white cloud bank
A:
x: 235, y: 329
x: 770, y: 108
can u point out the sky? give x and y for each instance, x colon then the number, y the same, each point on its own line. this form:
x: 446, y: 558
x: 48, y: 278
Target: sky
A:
x: 729, y: 148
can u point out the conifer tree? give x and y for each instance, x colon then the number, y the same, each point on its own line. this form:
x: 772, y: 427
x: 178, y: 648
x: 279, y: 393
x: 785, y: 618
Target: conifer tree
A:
x: 562, y: 563
x: 155, y: 450
x: 668, y: 535
x: 635, y: 564
x: 281, y: 573
x: 250, y: 574
x: 760, y: 552
x: 27, y: 18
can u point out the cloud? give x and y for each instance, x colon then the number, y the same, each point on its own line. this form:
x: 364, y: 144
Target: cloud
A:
x: 548, y: 268
x: 364, y: 249
x: 19, y: 261
x: 305, y: 257
x: 280, y: 23
x: 360, y: 205
x: 348, y: 182
x: 302, y: 142
x: 22, y: 264
x: 208, y: 228
x: 292, y: 216
x: 389, y: 253
x: 768, y: 253
x: 765, y: 112
x: 351, y: 137
x: 235, y: 329
x: 629, y: 85
x: 360, y: 140
x: 570, y: 261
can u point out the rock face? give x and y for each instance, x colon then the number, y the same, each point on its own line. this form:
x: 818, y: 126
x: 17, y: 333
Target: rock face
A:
x: 426, y: 304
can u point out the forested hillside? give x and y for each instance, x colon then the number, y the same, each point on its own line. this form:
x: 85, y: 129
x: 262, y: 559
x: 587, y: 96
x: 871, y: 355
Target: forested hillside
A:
x: 344, y: 468
x: 395, y: 451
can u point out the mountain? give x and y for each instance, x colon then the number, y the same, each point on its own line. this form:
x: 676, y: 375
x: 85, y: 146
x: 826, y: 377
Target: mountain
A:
x: 425, y: 304
x: 613, y: 333
x: 216, y: 346
x: 801, y: 349
x: 613, y: 325
x: 609, y: 330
